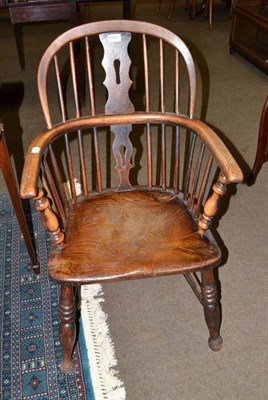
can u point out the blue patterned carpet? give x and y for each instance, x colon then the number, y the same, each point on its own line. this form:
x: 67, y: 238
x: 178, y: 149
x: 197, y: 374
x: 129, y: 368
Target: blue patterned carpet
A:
x: 30, y: 351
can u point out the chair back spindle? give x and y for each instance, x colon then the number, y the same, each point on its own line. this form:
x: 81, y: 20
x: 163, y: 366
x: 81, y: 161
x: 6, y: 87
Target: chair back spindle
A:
x: 132, y: 83
x: 151, y: 217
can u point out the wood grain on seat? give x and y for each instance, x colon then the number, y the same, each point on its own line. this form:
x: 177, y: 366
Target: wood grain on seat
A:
x: 130, y: 235
x: 160, y: 155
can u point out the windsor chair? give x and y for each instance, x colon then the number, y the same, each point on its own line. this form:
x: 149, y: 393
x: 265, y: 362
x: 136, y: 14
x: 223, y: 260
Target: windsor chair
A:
x: 150, y: 215
x: 262, y: 146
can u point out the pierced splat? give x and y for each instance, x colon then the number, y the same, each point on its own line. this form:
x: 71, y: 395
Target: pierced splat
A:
x: 146, y: 232
x: 212, y: 205
x: 116, y: 63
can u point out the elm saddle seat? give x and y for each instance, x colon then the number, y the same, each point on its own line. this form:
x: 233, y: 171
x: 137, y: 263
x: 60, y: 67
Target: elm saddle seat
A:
x: 129, y: 235
x: 151, y: 216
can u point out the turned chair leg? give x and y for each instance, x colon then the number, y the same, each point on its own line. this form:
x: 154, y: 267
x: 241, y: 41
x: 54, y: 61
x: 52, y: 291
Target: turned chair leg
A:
x: 211, y: 309
x: 67, y: 327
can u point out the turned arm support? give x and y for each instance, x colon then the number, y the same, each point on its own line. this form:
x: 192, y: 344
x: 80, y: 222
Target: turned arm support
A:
x: 226, y: 162
x: 49, y: 219
x: 212, y: 204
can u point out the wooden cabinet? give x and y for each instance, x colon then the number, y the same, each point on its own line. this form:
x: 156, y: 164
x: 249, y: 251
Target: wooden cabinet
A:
x: 249, y: 34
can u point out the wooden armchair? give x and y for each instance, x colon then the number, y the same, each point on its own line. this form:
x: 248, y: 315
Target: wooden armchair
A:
x: 150, y: 216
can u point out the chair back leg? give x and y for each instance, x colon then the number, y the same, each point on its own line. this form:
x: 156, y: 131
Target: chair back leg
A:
x: 211, y: 309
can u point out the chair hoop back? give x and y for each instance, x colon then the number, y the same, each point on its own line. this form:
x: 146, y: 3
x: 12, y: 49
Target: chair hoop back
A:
x: 117, y: 26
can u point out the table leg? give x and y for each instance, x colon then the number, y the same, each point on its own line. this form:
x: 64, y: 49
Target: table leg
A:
x: 18, y: 31
x: 11, y: 183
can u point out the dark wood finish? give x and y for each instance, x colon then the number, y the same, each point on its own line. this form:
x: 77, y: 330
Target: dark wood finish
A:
x: 43, y: 12
x: 118, y: 235
x: 49, y: 219
x: 194, y: 283
x: 9, y: 176
x: 117, y: 52
x: 18, y: 32
x: 67, y: 326
x: 39, y: 145
x: 262, y: 146
x: 133, y: 228
x: 211, y: 309
x: 206, y: 7
x: 173, y: 43
x: 126, y: 5
x: 212, y: 205
x: 36, y: 12
x: 25, y: 11
x: 249, y: 32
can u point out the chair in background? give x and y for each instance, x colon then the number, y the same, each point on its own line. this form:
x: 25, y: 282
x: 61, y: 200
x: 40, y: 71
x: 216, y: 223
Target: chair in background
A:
x: 9, y: 176
x: 206, y: 7
x: 191, y: 5
x: 151, y: 215
x: 262, y: 146
x: 171, y: 8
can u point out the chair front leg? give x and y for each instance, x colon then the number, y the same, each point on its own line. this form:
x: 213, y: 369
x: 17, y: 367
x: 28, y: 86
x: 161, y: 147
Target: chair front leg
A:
x: 211, y: 309
x: 67, y: 327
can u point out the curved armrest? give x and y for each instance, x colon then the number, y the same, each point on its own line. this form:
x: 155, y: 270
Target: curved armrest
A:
x: 35, y: 152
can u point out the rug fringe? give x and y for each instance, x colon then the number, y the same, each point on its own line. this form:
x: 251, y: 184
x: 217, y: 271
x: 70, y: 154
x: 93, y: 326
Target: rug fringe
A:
x: 101, y: 353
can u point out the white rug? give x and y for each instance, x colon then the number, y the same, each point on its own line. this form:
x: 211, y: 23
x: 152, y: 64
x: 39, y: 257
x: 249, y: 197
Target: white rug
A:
x: 100, y: 348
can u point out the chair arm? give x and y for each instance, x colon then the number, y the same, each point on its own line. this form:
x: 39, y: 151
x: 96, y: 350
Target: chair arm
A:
x: 29, y: 181
x: 221, y: 154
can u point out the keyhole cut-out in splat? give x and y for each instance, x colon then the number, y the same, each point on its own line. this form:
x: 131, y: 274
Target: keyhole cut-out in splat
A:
x: 117, y: 71
x: 122, y: 151
x: 116, y: 64
x: 116, y: 58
